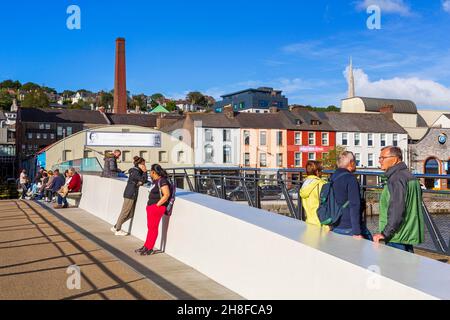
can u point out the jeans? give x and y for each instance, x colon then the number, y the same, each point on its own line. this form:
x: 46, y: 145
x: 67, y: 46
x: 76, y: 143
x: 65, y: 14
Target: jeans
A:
x: 62, y: 201
x: 400, y: 246
x: 348, y: 232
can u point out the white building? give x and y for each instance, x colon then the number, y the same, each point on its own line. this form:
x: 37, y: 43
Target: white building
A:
x: 366, y: 134
x: 215, y: 138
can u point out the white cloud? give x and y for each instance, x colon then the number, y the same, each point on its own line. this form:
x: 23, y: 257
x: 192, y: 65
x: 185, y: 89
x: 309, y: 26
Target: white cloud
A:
x: 446, y: 5
x: 425, y: 93
x: 387, y: 6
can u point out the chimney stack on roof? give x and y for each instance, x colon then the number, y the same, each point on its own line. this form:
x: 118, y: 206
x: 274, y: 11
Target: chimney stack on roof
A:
x: 388, y: 111
x: 228, y: 111
x: 273, y: 110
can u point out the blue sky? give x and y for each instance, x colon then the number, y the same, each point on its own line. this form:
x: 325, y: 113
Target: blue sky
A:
x: 217, y: 47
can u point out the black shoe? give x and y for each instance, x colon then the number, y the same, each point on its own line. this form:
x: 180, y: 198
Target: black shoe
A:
x: 147, y: 252
x: 140, y: 250
x: 65, y: 206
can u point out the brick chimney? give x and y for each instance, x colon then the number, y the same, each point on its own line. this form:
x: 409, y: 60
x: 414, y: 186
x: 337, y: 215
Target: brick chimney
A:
x: 388, y: 111
x: 120, y: 82
x: 228, y: 111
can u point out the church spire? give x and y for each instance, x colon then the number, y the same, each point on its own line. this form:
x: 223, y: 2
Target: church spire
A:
x: 351, y: 81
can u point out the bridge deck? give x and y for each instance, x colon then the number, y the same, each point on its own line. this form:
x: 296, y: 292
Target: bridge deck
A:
x: 37, y: 245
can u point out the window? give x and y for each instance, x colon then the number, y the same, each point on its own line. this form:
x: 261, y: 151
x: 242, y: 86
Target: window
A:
x: 60, y: 131
x: 311, y: 138
x: 262, y: 138
x: 30, y: 135
x: 395, y: 140
x: 370, y: 140
x: 52, y: 136
x: 69, y: 131
x: 163, y: 156
x: 226, y: 154
x: 298, y: 138
x: 45, y: 136
x: 325, y: 139
x: 357, y: 139
x: 144, y: 155
x: 263, y: 160
x: 279, y: 138
x: 279, y: 160
x: 41, y: 126
x: 370, y: 160
x: 47, y: 126
x: 226, y: 135
x: 209, y: 135
x: 126, y: 156
x: 311, y: 156
x: 358, y: 159
x: 209, y: 153
x: 180, y: 157
x: 263, y: 103
x: 383, y: 140
x: 247, y: 159
x: 246, y: 138
x: 242, y: 105
x: 38, y: 135
x: 298, y: 159
x: 345, y: 139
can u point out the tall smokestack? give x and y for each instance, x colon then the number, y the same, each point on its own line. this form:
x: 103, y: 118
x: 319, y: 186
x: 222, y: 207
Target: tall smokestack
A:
x: 120, y: 80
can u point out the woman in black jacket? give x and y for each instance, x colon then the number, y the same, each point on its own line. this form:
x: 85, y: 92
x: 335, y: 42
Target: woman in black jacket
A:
x: 138, y: 177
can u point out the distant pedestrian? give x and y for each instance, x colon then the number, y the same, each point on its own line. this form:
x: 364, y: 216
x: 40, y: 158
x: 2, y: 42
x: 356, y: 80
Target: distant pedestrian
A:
x: 310, y: 191
x: 158, y: 201
x: 401, y: 221
x: 348, y: 196
x: 110, y: 168
x: 138, y: 177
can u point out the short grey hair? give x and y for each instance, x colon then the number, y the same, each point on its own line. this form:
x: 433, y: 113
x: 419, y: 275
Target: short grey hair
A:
x: 394, y: 152
x: 345, y: 158
x: 72, y: 169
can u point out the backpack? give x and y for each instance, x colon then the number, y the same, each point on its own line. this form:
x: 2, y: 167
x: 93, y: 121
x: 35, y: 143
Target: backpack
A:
x: 329, y: 211
x: 173, y: 190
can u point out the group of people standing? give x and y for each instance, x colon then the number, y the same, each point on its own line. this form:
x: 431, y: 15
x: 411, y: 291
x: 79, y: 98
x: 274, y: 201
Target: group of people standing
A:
x: 158, y: 199
x: 401, y: 222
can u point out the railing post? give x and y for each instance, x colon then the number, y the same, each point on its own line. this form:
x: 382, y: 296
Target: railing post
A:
x: 437, y: 238
x: 289, y: 202
x: 223, y: 183
x: 257, y: 190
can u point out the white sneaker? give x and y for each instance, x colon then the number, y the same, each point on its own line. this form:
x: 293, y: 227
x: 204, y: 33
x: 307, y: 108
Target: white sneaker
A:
x: 121, y: 233
x: 113, y: 230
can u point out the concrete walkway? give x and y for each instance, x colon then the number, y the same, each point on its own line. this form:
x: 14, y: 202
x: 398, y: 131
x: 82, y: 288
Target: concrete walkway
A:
x: 38, y: 244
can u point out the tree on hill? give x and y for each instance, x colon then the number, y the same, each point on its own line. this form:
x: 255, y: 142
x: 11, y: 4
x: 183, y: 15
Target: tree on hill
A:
x: 6, y: 100
x: 171, y: 106
x: 198, y: 99
x: 30, y: 86
x: 36, y: 99
x: 10, y: 84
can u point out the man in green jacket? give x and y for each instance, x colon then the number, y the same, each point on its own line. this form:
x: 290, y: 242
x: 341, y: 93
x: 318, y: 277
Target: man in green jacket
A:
x: 401, y: 217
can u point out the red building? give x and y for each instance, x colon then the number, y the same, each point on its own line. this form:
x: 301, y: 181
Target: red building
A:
x: 309, y: 138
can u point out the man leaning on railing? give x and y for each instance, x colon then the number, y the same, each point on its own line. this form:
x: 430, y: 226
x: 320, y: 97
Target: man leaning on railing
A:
x: 401, y: 216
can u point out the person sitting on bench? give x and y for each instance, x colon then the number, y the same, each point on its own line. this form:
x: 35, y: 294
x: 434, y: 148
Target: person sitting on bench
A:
x: 73, y: 186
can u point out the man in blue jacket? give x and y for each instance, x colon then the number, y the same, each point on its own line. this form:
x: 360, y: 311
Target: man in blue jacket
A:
x: 347, y: 193
x: 58, y: 181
